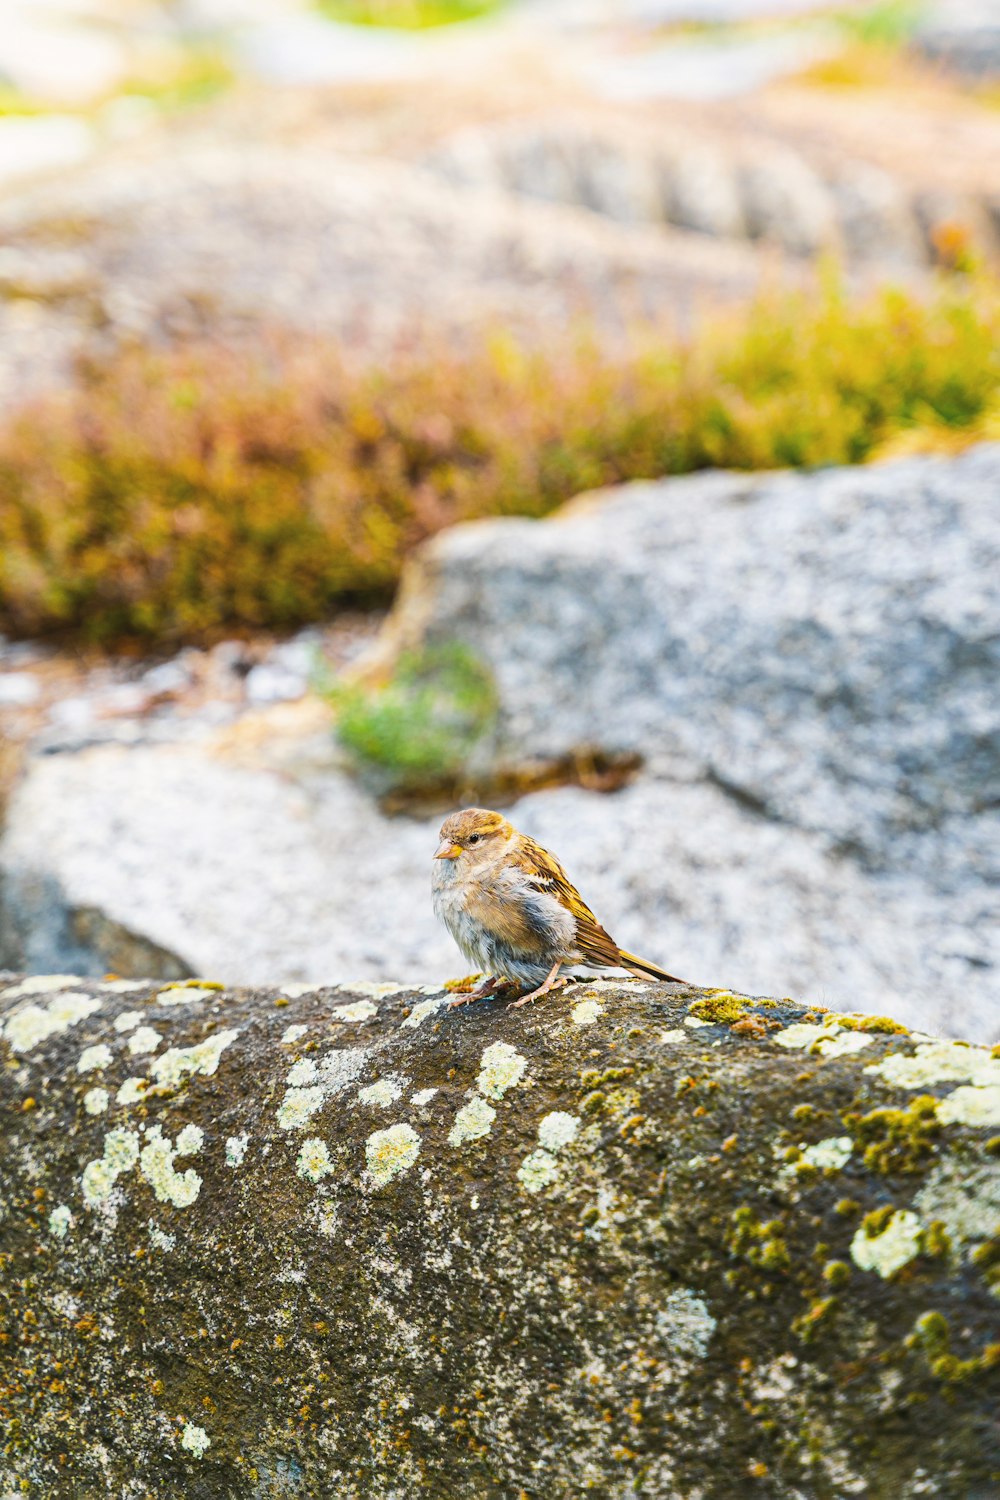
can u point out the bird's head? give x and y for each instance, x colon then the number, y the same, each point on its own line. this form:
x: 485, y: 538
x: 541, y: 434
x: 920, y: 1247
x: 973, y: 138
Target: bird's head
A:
x: 473, y: 831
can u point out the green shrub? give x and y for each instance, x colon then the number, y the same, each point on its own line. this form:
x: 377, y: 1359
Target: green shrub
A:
x: 178, y: 496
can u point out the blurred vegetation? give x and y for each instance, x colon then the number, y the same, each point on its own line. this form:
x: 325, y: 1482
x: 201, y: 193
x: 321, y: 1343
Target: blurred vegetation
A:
x: 412, y: 15
x: 177, y: 496
x: 423, y: 723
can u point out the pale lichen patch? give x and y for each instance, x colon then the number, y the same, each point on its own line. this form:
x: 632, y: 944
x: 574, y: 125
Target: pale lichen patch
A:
x: 33, y: 1024
x: 357, y: 1010
x: 313, y: 1160
x: 685, y: 1323
x: 898, y: 1243
x: 381, y: 1093
x: 304, y: 1072
x: 472, y: 1121
x: 159, y: 1240
x: 60, y: 1221
x: 558, y: 1129
x: 586, y: 1012
x: 236, y: 1149
x: 965, y: 1198
x: 390, y: 1152
x: 121, y: 1151
x: 195, y: 1439
x: 695, y: 1021
x: 422, y: 1010
x: 181, y: 1062
x: 375, y: 991
x: 844, y: 1044
x: 537, y: 1171
x: 41, y: 984
x: 830, y: 1155
x: 828, y: 1040
x: 970, y: 1105
x: 129, y: 1019
x: 156, y: 1164
x: 501, y: 1068
x: 143, y: 1040
x: 938, y: 1062
x: 422, y: 1097
x: 672, y: 1037
x: 132, y: 1090
x: 122, y: 986
x: 184, y: 994
x: 298, y: 1107
x: 95, y: 1101
x: 94, y: 1059
x: 296, y: 991
x: 190, y: 1140
x: 292, y: 1034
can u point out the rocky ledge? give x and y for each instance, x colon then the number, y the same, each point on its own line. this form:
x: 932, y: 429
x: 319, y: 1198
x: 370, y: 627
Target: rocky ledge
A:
x: 634, y: 1240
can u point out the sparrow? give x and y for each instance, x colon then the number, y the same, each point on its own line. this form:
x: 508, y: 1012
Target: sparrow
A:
x: 511, y: 909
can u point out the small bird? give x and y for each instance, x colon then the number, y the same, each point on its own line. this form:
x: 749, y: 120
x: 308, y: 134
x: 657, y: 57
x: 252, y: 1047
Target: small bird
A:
x: 513, y: 912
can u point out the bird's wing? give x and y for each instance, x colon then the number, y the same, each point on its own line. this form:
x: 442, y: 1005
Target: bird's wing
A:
x: 547, y: 875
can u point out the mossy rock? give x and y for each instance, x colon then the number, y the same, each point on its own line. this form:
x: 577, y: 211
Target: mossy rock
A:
x: 349, y: 1242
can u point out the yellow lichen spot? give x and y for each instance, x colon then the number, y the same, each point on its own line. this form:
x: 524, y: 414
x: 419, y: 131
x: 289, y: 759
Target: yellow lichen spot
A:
x: 501, y: 1068
x: 473, y: 1120
x: 390, y: 1152
x: 897, y: 1241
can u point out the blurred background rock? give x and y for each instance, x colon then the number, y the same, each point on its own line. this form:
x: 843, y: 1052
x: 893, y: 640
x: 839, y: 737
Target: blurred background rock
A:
x: 288, y: 289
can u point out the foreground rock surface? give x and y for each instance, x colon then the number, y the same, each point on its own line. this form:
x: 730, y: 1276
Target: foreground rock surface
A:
x: 639, y: 1240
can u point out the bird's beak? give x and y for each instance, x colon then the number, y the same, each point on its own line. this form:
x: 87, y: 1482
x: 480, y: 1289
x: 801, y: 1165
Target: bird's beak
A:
x: 447, y: 850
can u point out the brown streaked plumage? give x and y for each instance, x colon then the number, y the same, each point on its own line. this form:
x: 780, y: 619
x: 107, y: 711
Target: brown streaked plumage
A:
x: 513, y: 911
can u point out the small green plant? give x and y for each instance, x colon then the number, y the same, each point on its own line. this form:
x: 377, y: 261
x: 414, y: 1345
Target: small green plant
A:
x: 421, y: 726
x: 407, y: 15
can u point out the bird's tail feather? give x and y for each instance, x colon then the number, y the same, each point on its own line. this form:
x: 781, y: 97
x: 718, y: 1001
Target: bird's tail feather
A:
x: 645, y: 969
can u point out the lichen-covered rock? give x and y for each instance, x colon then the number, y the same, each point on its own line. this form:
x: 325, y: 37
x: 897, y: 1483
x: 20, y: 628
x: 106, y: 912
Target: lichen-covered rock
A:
x: 634, y: 1240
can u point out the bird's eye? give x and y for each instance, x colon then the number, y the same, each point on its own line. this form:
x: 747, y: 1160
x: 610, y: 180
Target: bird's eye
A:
x: 474, y: 838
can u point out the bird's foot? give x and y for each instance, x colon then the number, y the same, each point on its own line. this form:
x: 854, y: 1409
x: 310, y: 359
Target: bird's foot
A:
x: 549, y: 983
x: 487, y: 988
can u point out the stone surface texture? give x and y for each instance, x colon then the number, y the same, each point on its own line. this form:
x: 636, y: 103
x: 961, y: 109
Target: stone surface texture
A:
x: 634, y: 1240
x: 803, y: 666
